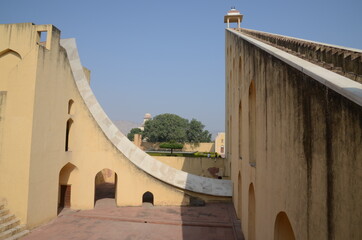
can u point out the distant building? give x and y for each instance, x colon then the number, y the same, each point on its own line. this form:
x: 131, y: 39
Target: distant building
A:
x: 220, y: 144
x: 147, y: 117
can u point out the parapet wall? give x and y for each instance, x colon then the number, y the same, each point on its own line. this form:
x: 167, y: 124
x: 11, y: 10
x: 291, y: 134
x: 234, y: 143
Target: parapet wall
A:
x: 344, y: 61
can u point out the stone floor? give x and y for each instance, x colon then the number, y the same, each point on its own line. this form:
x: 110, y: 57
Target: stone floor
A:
x: 107, y: 222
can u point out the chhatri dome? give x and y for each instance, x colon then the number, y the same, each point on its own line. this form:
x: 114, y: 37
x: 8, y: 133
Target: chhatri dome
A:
x: 233, y: 15
x: 233, y: 11
x: 147, y: 116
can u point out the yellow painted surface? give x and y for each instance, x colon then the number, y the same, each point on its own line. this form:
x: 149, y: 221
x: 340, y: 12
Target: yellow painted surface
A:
x: 197, y: 166
x: 188, y: 147
x: 305, y: 177
x: 220, y: 144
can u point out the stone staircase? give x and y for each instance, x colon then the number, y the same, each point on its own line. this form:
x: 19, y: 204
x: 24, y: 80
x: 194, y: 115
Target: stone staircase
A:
x: 10, y: 228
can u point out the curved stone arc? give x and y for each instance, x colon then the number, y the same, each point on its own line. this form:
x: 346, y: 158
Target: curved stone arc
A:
x: 142, y: 160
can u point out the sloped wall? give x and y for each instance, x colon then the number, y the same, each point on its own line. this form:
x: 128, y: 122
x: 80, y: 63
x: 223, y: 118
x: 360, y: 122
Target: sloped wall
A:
x: 308, y: 137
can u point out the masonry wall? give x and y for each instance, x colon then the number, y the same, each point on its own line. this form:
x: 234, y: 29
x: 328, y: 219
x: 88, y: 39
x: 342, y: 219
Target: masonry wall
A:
x: 18, y: 55
x: 306, y: 139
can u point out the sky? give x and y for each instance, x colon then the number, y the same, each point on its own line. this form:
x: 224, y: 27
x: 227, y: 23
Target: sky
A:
x: 168, y: 56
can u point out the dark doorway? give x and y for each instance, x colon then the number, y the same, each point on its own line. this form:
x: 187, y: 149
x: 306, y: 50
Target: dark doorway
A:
x: 105, y: 191
x: 65, y: 193
x: 147, y: 197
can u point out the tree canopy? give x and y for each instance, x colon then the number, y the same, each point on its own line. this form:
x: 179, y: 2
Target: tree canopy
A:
x: 171, y: 145
x: 173, y: 128
x: 134, y: 131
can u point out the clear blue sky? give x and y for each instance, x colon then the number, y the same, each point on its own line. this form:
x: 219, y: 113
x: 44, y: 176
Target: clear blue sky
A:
x: 168, y: 56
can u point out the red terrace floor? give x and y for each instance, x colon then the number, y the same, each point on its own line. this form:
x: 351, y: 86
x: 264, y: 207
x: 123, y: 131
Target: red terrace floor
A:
x: 107, y: 222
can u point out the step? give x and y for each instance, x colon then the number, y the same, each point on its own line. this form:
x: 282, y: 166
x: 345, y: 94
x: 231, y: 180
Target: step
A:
x: 11, y: 232
x: 4, y: 212
x: 8, y: 225
x: 6, y: 218
x: 18, y: 235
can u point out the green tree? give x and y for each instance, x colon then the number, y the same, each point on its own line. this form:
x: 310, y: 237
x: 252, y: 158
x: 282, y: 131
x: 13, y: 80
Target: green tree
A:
x: 171, y: 145
x: 166, y: 128
x: 134, y: 131
x: 173, y: 128
x: 196, y: 133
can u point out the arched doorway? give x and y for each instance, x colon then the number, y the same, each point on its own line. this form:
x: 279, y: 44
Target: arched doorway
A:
x: 239, y: 195
x: 66, y: 180
x: 240, y: 125
x: 105, y: 190
x: 147, y: 199
x: 252, y: 124
x: 251, y: 213
x: 282, y: 228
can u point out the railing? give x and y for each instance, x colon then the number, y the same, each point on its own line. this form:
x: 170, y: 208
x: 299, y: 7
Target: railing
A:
x: 344, y: 61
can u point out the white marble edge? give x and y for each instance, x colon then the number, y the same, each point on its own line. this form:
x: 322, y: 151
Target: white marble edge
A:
x: 142, y: 160
x: 306, y: 40
x: 342, y: 85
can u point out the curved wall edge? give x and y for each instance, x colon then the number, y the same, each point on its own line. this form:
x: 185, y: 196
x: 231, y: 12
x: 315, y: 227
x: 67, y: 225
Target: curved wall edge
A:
x: 142, y: 160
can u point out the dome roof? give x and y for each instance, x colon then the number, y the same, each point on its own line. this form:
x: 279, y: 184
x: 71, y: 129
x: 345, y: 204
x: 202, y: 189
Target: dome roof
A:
x: 233, y: 11
x: 147, y: 116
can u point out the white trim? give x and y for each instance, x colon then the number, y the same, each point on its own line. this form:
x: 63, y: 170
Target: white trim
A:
x: 342, y: 85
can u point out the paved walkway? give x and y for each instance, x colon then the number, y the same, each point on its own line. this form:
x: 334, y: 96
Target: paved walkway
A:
x: 107, y: 222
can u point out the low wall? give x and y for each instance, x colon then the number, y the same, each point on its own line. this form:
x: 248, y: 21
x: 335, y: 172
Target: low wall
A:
x: 206, y: 167
x: 188, y: 147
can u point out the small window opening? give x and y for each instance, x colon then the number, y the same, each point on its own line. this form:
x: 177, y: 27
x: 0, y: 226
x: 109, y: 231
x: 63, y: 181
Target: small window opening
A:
x: 67, y: 137
x: 42, y: 36
x: 70, y: 107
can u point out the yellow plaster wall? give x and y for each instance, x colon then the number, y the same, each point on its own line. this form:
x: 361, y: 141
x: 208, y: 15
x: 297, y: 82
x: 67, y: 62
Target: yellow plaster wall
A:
x: 197, y: 166
x: 200, y: 147
x: 220, y: 144
x: 18, y: 55
x: 307, y: 144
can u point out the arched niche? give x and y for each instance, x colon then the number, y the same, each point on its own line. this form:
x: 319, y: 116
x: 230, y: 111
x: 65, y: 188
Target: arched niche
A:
x: 67, y: 177
x: 239, y: 195
x: 252, y: 124
x: 282, y: 228
x: 251, y: 213
x: 71, y: 107
x: 10, y: 52
x: 240, y: 131
x: 9, y: 59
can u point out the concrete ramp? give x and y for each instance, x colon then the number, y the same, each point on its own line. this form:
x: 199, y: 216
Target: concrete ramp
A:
x: 142, y: 160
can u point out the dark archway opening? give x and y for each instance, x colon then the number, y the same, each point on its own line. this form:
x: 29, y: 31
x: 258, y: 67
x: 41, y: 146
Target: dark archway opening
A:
x: 147, y: 198
x: 105, y: 191
x: 68, y: 140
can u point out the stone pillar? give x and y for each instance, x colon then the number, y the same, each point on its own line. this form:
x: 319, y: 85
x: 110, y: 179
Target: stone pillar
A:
x: 137, y: 140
